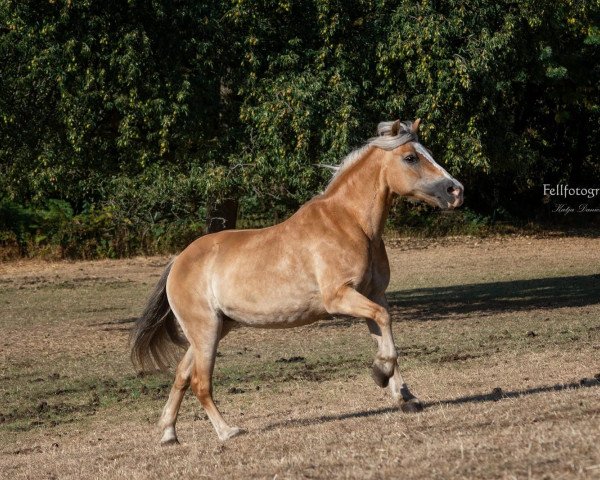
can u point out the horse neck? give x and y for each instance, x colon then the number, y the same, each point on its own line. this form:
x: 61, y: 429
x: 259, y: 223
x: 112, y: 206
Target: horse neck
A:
x: 361, y: 191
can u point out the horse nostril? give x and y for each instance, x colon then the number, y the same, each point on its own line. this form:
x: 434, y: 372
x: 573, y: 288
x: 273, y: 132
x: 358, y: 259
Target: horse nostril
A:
x: 455, y: 191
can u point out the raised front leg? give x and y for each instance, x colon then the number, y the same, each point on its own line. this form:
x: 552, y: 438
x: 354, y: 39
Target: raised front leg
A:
x: 397, y: 387
x: 347, y: 301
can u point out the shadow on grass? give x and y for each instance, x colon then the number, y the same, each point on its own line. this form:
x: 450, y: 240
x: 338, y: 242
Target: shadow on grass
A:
x: 488, y: 298
x: 119, y: 325
x: 498, y: 394
x: 493, y: 396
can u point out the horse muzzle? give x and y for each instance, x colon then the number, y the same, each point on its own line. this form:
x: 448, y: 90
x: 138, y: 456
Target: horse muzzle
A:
x: 448, y: 193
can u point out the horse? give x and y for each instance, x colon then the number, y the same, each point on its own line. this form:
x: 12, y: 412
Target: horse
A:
x: 327, y: 259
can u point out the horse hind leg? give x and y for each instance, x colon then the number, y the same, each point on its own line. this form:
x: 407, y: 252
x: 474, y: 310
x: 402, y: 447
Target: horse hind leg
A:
x: 183, y: 377
x: 168, y: 418
x: 205, y: 344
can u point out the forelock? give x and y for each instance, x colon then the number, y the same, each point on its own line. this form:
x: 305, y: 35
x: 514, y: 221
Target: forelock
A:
x: 386, y: 140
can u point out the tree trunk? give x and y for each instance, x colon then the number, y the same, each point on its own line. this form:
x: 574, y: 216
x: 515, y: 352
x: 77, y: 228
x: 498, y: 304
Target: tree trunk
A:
x: 222, y: 215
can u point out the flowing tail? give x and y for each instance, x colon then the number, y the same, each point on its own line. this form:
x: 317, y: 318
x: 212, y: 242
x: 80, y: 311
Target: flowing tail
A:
x: 156, y: 329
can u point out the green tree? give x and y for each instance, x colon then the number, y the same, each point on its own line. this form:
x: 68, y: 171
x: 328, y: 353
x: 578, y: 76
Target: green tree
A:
x: 183, y: 109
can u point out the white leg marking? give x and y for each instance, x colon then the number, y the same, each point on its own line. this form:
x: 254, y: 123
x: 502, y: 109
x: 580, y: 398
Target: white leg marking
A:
x: 169, y: 436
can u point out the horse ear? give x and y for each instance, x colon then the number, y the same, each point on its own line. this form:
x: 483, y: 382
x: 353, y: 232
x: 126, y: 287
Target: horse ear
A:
x: 395, y: 128
x: 415, y: 126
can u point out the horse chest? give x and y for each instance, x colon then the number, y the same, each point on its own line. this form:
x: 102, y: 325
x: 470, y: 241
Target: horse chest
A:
x: 374, y: 272
x: 371, y: 278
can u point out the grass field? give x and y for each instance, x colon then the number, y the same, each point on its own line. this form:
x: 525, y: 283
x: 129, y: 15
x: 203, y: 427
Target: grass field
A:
x: 500, y: 337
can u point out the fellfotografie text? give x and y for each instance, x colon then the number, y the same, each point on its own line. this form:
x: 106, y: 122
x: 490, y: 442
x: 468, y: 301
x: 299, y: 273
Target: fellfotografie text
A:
x: 565, y: 191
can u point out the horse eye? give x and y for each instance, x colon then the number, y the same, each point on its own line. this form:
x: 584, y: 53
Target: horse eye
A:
x: 411, y: 159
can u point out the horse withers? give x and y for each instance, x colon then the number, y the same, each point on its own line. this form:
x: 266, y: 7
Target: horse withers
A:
x: 326, y: 259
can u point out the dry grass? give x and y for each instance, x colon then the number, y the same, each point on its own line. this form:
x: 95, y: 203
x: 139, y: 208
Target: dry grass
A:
x: 517, y: 314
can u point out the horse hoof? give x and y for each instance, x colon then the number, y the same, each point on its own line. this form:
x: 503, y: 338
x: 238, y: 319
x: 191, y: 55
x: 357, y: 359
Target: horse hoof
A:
x: 379, y: 377
x: 232, y: 432
x: 169, y: 437
x: 412, y: 406
x: 169, y: 441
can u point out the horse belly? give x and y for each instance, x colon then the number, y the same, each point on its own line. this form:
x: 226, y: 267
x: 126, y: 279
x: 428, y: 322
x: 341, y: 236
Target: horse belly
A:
x: 270, y: 303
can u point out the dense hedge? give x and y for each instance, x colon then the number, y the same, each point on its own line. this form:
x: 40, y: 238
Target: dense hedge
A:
x: 141, y: 114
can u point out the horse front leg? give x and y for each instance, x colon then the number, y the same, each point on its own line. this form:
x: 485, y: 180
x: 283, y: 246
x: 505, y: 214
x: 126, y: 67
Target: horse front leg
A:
x: 347, y: 301
x: 397, y: 386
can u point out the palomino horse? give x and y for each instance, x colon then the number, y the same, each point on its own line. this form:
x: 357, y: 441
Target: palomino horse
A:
x: 326, y: 259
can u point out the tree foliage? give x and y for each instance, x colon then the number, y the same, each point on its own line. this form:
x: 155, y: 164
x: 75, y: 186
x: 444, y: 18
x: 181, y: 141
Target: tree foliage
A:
x: 243, y: 98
